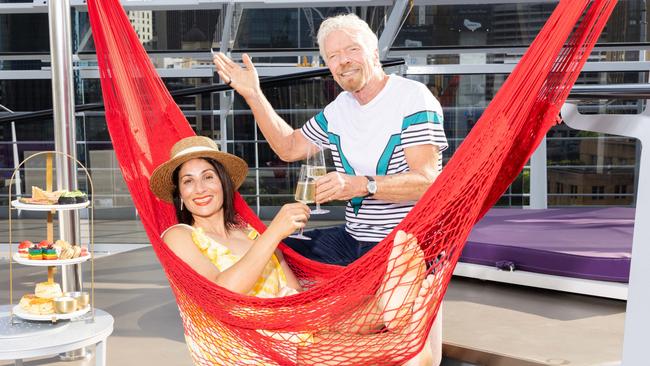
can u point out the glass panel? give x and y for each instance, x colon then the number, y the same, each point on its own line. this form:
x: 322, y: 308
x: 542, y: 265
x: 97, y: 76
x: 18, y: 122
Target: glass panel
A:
x: 592, y: 185
x: 110, y: 189
x: 276, y: 201
x: 604, y: 164
x: 168, y: 30
x: 464, y: 97
x: 198, y: 108
x: 24, y: 148
x: 518, y: 194
x: 26, y: 62
x: 24, y: 33
x: 280, y: 181
x: 609, y: 106
x: 26, y: 95
x: 503, y: 25
x: 295, y: 103
x: 294, y: 28
x: 587, y: 168
x: 95, y: 129
x: 92, y: 92
x: 29, y: 131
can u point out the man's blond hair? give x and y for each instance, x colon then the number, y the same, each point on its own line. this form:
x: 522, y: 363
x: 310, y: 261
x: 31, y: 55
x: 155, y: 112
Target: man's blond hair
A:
x: 346, y: 22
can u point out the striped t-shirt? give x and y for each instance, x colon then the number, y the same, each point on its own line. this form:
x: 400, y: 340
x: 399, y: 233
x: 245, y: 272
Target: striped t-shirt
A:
x: 370, y: 140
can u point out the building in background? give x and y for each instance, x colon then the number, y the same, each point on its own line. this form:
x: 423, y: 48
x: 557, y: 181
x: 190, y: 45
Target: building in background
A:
x: 142, y: 22
x: 463, y: 52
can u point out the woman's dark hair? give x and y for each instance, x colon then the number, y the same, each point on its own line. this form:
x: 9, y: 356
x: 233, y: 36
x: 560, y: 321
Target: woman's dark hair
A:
x: 184, y: 216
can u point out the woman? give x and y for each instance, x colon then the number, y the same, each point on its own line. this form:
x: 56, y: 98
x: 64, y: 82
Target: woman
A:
x: 201, y: 180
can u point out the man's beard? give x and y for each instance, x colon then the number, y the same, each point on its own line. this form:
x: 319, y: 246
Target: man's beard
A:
x: 352, y: 85
x: 352, y: 88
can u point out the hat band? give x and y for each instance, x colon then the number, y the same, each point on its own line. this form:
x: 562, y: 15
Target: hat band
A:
x: 194, y: 149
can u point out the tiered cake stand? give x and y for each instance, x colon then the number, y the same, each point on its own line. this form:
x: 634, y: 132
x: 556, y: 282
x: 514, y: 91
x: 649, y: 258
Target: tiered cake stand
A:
x: 16, y: 311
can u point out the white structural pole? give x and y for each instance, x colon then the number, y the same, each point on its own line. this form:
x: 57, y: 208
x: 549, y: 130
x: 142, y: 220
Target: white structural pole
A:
x: 538, y: 183
x: 64, y: 127
x: 64, y: 137
x: 226, y: 99
x: 14, y: 148
x: 637, y: 317
x: 14, y: 145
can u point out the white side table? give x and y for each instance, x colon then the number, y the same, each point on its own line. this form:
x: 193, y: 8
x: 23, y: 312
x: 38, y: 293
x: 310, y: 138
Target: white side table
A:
x: 32, y: 339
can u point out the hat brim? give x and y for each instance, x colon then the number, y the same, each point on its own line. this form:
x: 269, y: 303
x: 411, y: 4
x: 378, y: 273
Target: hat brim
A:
x: 161, y: 181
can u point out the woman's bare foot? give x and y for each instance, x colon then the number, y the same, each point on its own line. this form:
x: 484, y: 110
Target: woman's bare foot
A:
x: 405, y: 272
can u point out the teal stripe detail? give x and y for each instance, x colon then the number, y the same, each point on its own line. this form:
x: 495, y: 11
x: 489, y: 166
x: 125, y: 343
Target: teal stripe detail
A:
x: 336, y: 141
x: 421, y: 117
x: 321, y: 120
x: 382, y: 164
x: 356, y: 204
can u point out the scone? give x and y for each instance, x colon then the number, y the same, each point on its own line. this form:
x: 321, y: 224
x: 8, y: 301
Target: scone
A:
x: 25, y: 300
x: 43, y: 306
x: 36, y: 305
x: 48, y: 290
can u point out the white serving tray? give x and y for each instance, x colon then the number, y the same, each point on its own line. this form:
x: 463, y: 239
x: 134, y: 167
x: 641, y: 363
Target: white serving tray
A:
x: 21, y: 313
x: 32, y: 207
x: 48, y: 263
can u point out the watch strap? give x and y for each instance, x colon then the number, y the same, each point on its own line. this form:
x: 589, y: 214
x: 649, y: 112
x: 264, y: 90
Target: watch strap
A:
x: 371, y: 180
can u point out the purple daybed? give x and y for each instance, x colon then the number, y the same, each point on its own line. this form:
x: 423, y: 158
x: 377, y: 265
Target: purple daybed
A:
x: 590, y: 243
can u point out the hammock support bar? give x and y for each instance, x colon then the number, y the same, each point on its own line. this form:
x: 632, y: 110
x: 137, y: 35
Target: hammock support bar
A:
x: 269, y: 81
x: 637, y: 317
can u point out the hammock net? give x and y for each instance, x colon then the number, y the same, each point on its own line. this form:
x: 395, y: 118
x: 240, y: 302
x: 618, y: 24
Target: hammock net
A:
x: 335, y: 320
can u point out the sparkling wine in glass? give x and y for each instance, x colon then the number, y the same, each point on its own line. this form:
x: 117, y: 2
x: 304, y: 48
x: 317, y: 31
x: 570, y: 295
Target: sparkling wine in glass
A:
x: 316, y: 163
x: 305, y: 192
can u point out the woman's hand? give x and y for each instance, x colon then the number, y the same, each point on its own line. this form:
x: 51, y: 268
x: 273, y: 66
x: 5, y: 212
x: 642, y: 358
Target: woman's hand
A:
x: 291, y: 217
x: 287, y: 291
x: 243, y: 79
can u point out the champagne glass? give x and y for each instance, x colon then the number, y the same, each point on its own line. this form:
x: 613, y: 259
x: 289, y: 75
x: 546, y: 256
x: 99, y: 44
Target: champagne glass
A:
x: 305, y: 192
x: 316, y: 163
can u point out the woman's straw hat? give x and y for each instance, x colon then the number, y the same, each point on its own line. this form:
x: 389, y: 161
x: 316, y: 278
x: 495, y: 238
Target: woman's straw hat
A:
x: 161, y: 181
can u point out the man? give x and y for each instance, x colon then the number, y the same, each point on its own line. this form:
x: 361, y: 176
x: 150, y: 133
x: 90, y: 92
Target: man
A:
x: 385, y: 133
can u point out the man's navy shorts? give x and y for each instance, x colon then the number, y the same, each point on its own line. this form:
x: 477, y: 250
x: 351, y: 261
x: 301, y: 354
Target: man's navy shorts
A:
x: 332, y: 245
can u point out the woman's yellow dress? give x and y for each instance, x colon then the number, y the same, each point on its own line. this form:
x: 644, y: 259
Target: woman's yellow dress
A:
x: 269, y: 285
x: 270, y: 282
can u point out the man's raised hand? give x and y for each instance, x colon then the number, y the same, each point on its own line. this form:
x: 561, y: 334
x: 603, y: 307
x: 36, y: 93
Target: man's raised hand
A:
x: 243, y: 79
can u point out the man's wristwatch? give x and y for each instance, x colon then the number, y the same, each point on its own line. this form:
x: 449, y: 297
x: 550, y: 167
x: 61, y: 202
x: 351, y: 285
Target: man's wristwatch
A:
x: 371, y: 186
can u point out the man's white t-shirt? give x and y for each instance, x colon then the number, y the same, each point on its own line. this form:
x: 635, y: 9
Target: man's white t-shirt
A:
x: 370, y: 140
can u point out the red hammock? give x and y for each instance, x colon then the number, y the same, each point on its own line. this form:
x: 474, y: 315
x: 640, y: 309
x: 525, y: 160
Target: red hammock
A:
x: 223, y: 327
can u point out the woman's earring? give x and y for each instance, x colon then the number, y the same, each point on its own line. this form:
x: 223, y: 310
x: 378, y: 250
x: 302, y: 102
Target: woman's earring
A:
x: 181, y: 205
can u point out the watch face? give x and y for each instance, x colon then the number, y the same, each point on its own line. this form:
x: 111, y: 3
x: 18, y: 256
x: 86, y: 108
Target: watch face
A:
x: 372, y: 187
